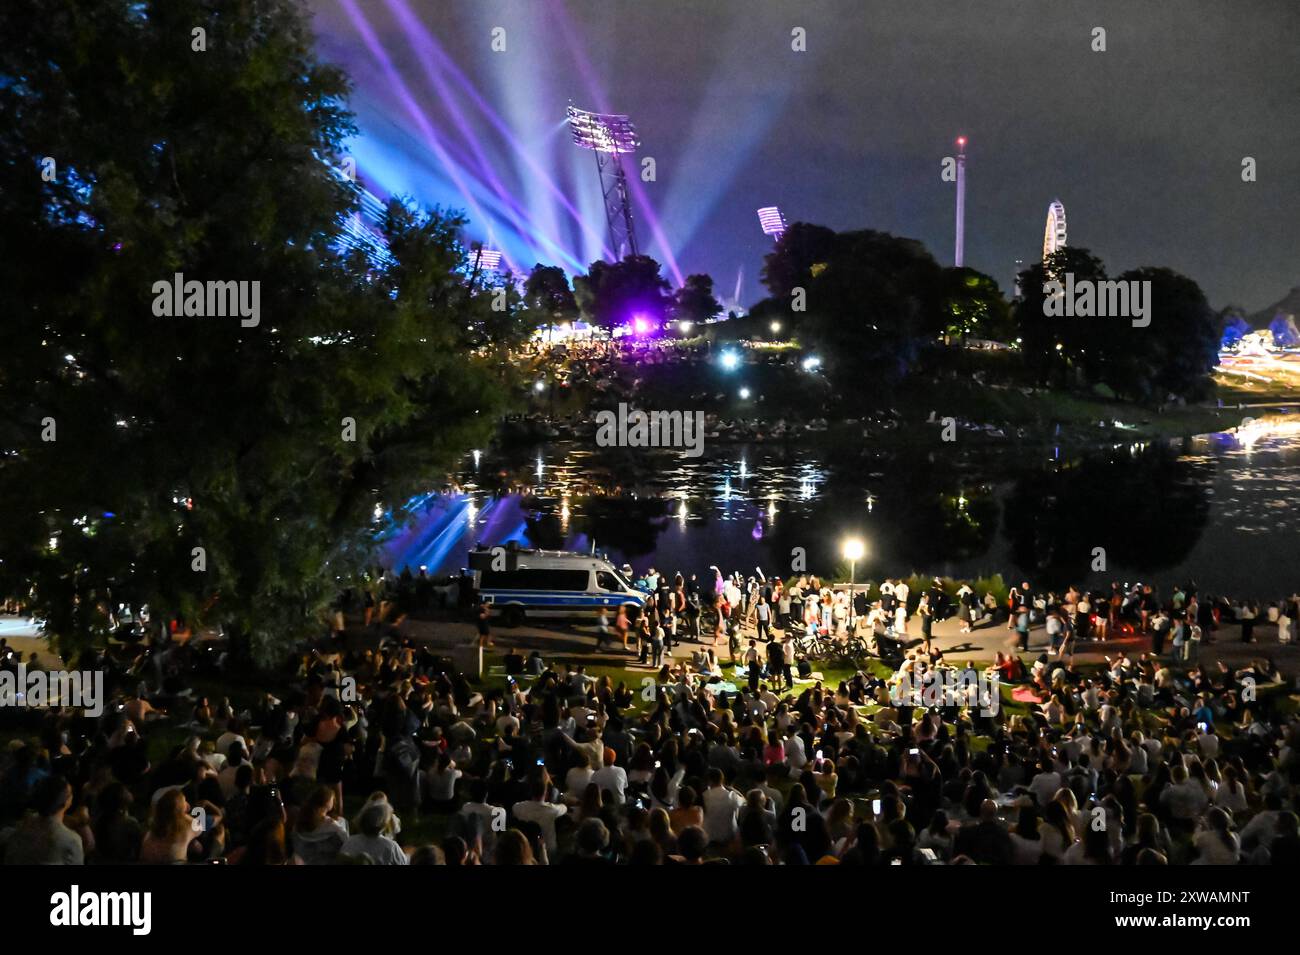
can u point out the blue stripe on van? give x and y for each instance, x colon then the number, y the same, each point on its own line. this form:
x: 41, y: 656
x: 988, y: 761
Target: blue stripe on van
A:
x: 559, y: 598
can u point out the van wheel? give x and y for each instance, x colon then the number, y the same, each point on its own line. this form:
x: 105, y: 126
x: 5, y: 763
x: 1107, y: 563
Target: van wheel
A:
x: 514, y: 616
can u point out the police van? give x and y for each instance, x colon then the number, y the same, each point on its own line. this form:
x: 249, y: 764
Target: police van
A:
x: 519, y: 584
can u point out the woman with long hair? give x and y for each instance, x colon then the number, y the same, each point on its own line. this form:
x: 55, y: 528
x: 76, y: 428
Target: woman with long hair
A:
x: 1057, y: 832
x: 1215, y: 842
x: 513, y: 849
x: 318, y: 833
x: 170, y: 831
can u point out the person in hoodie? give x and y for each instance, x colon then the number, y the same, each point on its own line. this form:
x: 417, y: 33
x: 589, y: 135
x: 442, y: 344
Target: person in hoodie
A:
x: 319, y: 834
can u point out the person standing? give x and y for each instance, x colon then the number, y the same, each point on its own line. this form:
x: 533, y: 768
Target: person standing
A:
x: 1022, y: 628
x: 753, y: 668
x: 1159, y: 631
x: 1248, y: 615
x: 763, y: 615
x: 965, y: 604
x: 775, y: 663
x: 622, y: 625
x: 602, y: 630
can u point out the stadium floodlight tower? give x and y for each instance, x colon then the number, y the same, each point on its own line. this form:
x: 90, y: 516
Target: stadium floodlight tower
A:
x: 772, y: 221
x: 959, y: 253
x: 610, y: 136
x: 1054, y: 236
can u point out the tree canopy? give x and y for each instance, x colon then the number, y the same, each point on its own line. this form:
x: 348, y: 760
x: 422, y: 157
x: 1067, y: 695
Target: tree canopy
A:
x: 612, y: 294
x: 224, y: 473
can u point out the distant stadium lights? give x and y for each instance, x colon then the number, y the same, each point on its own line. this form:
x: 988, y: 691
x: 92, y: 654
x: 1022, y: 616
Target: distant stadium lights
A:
x: 773, y: 223
x: 489, y: 260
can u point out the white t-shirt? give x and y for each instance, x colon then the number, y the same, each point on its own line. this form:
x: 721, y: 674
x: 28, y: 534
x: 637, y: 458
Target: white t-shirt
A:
x: 720, y: 807
x: 544, y: 815
x: 576, y: 779
x: 612, y: 779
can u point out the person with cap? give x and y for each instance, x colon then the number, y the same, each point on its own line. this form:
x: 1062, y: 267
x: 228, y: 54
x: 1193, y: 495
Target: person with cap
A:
x: 611, y: 778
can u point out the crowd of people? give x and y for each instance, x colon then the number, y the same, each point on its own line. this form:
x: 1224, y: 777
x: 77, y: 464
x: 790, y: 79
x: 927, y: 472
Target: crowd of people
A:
x: 380, y: 752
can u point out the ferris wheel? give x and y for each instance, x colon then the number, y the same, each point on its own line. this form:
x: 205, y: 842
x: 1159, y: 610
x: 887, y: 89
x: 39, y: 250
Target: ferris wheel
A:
x: 1054, y: 236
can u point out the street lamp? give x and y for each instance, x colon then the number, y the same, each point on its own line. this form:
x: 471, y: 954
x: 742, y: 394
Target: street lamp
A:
x: 853, y: 550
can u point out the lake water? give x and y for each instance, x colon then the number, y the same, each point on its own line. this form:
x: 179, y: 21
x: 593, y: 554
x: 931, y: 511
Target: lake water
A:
x: 1217, y: 509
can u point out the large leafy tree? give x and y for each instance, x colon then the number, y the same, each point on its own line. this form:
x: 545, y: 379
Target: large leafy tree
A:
x: 612, y: 293
x: 695, y: 301
x: 548, y: 296
x: 130, y: 439
x: 972, y: 306
x: 1058, y: 349
x: 1174, y: 354
x: 870, y: 299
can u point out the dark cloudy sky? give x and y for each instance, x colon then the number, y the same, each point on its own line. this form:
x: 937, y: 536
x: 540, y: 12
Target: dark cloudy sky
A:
x: 1143, y: 143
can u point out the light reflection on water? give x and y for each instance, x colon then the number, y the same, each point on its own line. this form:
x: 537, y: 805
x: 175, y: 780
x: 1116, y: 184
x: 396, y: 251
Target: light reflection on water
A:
x: 1218, y: 508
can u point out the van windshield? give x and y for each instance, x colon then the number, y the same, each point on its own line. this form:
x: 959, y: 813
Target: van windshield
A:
x: 609, y: 581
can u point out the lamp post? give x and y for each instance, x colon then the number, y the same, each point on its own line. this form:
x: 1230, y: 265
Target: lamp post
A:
x: 853, y: 551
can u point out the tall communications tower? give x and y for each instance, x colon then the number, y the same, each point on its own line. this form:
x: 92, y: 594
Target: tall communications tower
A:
x: 960, y: 252
x: 610, y: 136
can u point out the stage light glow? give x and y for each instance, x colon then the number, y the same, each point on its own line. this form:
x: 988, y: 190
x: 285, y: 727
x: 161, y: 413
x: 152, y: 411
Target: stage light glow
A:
x: 811, y: 363
x: 853, y: 549
x: 744, y: 394
x: 730, y: 360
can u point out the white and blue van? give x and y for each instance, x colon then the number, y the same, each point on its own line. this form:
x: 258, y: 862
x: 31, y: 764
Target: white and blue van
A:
x: 518, y: 584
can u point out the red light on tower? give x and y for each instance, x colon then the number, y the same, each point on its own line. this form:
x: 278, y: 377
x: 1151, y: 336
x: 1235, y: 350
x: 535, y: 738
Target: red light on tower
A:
x: 961, y: 140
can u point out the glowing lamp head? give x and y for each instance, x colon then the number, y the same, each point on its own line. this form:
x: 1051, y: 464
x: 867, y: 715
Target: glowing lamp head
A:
x: 772, y: 221
x: 730, y: 361
x: 811, y: 363
x: 776, y: 327
x: 961, y: 141
x: 744, y: 394
x: 854, y: 549
x: 539, y: 386
x: 685, y: 327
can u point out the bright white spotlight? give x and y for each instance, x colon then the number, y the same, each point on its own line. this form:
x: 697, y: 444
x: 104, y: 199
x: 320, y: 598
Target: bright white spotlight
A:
x: 854, y: 549
x: 812, y: 363
x: 540, y: 386
x: 730, y: 360
x: 776, y: 327
x: 685, y: 327
x: 744, y: 394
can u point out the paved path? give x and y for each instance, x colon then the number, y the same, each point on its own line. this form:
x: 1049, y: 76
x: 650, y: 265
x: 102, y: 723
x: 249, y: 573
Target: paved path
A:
x: 578, y: 642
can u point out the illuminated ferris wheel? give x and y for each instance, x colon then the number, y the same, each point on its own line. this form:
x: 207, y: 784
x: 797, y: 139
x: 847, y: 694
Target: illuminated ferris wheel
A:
x: 1054, y: 236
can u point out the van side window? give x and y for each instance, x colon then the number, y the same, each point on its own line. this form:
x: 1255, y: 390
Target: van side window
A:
x: 607, y: 581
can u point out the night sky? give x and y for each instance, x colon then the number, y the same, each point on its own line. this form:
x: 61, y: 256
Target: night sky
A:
x: 1143, y: 143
